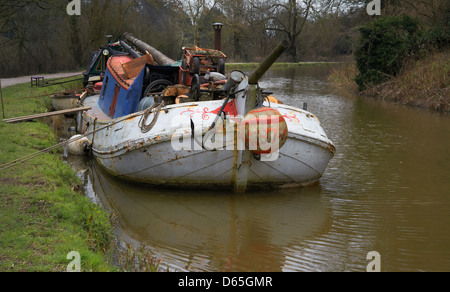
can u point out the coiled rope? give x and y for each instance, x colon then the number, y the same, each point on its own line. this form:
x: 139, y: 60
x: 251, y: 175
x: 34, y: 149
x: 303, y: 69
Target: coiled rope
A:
x: 156, y: 109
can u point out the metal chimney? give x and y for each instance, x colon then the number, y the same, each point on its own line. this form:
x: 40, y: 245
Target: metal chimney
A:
x: 218, y: 36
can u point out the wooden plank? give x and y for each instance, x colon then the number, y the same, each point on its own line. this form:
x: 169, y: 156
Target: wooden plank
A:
x: 134, y: 67
x: 44, y: 115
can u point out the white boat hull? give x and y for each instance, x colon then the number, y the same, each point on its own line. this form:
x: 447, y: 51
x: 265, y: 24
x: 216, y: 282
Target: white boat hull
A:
x: 124, y: 151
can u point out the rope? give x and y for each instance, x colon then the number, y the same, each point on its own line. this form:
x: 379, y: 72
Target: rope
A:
x: 42, y: 95
x: 43, y: 151
x: 155, y: 108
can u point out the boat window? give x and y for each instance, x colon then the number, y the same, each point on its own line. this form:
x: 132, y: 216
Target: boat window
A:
x: 101, y: 64
x: 102, y: 95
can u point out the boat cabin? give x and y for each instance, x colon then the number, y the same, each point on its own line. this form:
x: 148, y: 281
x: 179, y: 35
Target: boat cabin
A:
x: 98, y: 60
x: 127, y: 81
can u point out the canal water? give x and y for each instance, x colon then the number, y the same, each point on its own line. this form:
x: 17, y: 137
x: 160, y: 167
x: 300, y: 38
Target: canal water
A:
x: 387, y: 190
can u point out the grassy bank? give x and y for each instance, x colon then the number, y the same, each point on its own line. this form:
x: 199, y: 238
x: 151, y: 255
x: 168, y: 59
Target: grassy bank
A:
x: 43, y: 215
x: 424, y: 83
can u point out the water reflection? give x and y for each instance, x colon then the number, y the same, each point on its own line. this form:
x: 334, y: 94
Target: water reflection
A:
x: 204, y: 231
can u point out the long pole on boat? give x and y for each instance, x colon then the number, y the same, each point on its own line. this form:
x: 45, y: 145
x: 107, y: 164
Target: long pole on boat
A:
x: 127, y: 48
x: 268, y: 62
x: 244, y: 158
x: 259, y: 72
x: 252, y: 89
x: 159, y: 57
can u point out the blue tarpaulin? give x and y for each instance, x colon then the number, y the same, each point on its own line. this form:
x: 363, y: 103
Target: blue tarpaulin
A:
x: 115, y: 100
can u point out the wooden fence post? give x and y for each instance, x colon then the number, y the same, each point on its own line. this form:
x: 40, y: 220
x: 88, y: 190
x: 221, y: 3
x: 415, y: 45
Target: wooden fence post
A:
x: 1, y: 95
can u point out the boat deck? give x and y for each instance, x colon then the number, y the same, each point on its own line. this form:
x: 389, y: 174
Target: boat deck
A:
x: 95, y: 111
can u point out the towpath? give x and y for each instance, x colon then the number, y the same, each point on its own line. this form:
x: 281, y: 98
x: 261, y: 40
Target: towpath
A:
x: 24, y: 79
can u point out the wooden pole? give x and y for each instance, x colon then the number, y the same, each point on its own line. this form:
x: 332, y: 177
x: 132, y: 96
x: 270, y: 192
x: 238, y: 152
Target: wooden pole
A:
x: 1, y: 95
x: 245, y: 156
x: 268, y: 62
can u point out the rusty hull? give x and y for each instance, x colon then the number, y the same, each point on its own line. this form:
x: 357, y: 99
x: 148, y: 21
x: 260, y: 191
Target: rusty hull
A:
x: 124, y: 151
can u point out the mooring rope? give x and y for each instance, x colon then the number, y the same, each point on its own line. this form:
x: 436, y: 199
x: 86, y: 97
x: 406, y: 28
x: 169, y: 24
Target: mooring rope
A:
x: 46, y: 150
x: 44, y: 95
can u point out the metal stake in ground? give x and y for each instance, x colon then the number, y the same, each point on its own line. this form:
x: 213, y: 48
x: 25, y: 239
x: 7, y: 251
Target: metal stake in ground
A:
x: 1, y: 95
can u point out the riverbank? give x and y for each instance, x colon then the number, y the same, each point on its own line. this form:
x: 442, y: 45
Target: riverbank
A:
x: 43, y: 212
x: 424, y: 83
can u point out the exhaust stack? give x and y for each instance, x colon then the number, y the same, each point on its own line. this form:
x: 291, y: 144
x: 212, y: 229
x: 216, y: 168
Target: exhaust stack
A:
x: 218, y: 36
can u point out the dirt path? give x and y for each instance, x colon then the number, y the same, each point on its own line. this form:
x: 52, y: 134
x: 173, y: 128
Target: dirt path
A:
x: 24, y: 79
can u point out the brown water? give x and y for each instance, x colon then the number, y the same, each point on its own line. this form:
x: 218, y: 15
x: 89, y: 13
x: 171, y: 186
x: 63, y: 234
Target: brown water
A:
x: 386, y: 190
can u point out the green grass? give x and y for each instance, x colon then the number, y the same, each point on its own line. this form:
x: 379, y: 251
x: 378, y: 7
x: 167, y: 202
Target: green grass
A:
x: 42, y: 216
x: 22, y: 99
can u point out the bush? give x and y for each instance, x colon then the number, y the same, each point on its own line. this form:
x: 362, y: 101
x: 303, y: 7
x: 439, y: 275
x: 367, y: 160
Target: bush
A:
x: 384, y: 45
x: 436, y: 37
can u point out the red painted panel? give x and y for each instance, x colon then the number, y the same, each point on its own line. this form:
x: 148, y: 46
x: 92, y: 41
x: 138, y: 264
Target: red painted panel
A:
x: 112, y: 109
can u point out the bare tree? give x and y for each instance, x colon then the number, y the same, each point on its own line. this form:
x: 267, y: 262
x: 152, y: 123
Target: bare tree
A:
x: 290, y: 16
x: 122, y: 10
x: 429, y: 11
x: 236, y: 22
x: 198, y: 11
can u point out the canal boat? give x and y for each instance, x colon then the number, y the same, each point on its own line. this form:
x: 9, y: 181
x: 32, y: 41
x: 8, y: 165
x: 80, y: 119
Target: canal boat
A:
x: 98, y: 59
x: 214, y: 133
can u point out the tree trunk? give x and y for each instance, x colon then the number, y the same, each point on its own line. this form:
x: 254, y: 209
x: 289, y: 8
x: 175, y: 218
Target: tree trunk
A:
x: 292, y: 48
x: 75, y: 39
x: 237, y: 47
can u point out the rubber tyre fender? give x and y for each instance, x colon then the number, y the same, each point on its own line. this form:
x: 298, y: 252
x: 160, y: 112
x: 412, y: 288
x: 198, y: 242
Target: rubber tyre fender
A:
x: 183, y: 72
x: 221, y: 66
x: 195, y: 87
x: 157, y: 86
x: 195, y: 65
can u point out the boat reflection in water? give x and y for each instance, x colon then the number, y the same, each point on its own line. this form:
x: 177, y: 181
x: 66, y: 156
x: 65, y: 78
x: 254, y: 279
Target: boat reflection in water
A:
x: 210, y: 230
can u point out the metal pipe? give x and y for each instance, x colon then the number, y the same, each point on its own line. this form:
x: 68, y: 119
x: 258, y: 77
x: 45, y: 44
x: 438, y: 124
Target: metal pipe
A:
x: 218, y: 40
x: 235, y: 78
x: 127, y: 48
x: 268, y: 62
x: 159, y: 57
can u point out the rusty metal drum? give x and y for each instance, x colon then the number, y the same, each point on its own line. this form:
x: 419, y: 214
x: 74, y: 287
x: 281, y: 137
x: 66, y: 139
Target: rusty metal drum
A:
x: 265, y: 129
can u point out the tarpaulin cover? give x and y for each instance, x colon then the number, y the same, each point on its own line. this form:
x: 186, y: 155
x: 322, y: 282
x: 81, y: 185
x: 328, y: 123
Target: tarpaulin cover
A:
x: 118, y: 100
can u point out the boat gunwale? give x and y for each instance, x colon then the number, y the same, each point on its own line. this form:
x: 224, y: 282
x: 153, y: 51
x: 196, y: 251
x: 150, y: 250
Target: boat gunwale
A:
x: 148, y: 140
